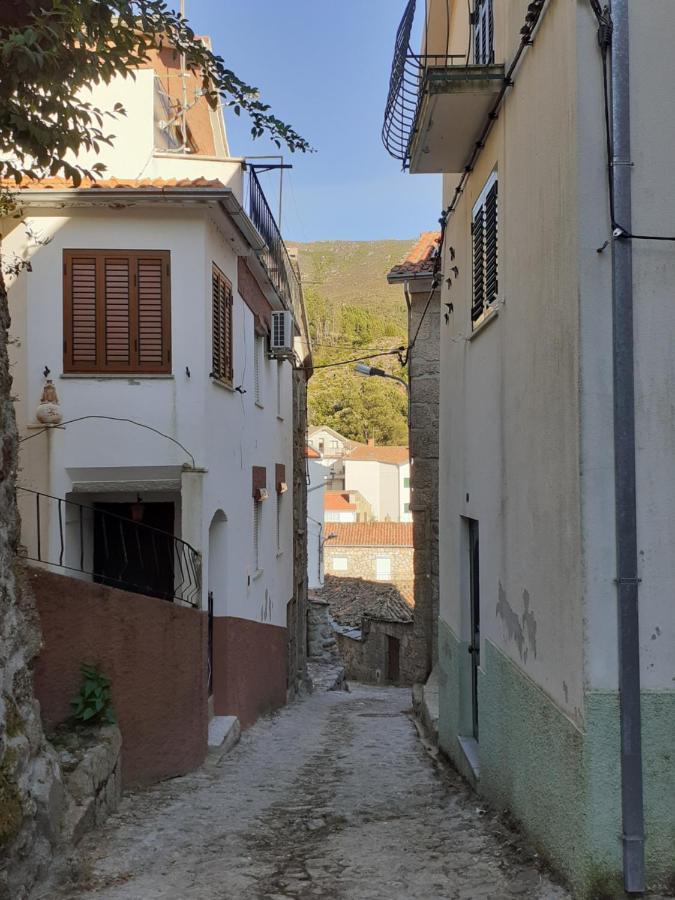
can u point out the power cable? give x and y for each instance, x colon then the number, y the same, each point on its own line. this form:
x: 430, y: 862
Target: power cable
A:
x: 346, y: 362
x: 111, y: 419
x: 605, y: 30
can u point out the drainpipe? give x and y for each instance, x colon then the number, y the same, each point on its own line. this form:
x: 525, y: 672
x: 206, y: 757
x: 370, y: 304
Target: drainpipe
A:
x: 624, y: 464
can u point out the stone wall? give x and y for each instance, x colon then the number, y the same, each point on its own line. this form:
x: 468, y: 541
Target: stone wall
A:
x: 31, y: 790
x: 361, y: 562
x: 320, y: 636
x: 154, y: 653
x: 297, y: 617
x: 367, y: 659
x: 424, y: 372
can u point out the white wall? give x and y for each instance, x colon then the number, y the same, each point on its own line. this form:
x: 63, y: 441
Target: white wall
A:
x: 380, y: 483
x: 315, y: 530
x: 404, y: 493
x: 223, y: 429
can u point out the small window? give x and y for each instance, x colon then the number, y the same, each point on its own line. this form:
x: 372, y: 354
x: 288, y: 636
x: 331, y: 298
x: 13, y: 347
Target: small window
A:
x: 257, y: 518
x: 484, y: 29
x: 383, y: 568
x: 406, y: 482
x: 406, y: 508
x: 339, y: 563
x: 484, y: 235
x: 221, y: 338
x: 116, y: 311
x: 258, y: 354
x: 332, y: 515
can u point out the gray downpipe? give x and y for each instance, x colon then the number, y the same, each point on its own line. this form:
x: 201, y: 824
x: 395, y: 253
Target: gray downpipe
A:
x: 624, y: 462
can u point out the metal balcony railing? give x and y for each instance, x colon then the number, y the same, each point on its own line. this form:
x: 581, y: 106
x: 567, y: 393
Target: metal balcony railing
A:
x: 111, y: 549
x: 274, y: 257
x: 408, y: 74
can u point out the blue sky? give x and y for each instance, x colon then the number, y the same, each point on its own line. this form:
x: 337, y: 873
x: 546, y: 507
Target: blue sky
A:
x: 324, y: 68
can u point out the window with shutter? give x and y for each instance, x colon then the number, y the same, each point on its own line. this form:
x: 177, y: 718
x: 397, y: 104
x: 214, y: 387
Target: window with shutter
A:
x: 485, y: 251
x: 484, y: 33
x: 117, y: 312
x: 221, y: 294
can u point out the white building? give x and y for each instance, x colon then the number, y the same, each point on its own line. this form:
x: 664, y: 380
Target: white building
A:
x: 382, y: 476
x: 316, y: 490
x: 149, y: 300
x: 334, y: 449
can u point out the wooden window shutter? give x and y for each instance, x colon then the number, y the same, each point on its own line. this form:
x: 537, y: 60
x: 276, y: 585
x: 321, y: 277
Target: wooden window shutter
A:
x: 117, y: 311
x: 491, y: 247
x: 478, y: 234
x: 222, y: 300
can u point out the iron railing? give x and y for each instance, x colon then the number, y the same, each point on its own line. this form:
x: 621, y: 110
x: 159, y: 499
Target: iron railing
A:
x: 109, y: 548
x: 274, y: 257
x: 408, y: 73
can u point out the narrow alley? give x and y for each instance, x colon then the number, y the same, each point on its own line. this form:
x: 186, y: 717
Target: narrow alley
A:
x: 334, y: 797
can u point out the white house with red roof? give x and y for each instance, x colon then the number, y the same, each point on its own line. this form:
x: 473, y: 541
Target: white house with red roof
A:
x: 148, y: 300
x: 382, y: 476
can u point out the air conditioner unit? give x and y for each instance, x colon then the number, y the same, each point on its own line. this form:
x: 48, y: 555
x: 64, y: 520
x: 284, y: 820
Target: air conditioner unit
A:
x: 281, y: 337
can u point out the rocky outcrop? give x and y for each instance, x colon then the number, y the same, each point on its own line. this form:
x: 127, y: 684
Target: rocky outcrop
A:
x: 32, y: 799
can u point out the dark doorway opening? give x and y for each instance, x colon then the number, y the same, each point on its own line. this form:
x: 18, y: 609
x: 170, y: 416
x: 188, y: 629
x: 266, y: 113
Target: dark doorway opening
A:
x: 393, y: 659
x: 474, y: 599
x: 134, y: 549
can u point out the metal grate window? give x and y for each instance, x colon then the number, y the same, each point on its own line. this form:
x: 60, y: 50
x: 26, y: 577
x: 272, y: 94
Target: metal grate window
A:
x: 484, y: 240
x: 484, y: 30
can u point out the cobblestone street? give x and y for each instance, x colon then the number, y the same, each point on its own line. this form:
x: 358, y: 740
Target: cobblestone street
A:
x: 333, y: 798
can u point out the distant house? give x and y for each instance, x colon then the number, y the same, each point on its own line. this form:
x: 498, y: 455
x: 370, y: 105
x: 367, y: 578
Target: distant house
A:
x: 382, y: 475
x: 334, y: 448
x: 316, y: 489
x: 374, y: 551
x: 346, y: 506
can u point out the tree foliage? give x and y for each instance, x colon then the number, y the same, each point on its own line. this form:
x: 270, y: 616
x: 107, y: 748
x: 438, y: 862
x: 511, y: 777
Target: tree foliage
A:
x: 358, y: 407
x: 51, y: 49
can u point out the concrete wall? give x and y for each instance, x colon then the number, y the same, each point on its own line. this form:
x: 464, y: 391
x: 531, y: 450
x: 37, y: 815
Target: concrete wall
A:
x: 362, y: 561
x: 315, y: 532
x: 526, y: 449
x: 380, y: 484
x: 154, y: 653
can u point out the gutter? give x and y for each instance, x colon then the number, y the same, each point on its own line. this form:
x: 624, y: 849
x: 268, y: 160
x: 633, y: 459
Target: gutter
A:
x: 625, y: 491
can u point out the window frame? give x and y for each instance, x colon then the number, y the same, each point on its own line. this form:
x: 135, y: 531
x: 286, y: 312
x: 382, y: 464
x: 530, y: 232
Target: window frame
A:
x: 335, y: 568
x: 479, y: 213
x: 100, y: 366
x: 222, y: 316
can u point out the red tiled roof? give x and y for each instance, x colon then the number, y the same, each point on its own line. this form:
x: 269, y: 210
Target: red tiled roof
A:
x: 311, y: 453
x: 106, y: 184
x: 334, y: 500
x: 395, y: 455
x: 372, y: 534
x: 420, y: 259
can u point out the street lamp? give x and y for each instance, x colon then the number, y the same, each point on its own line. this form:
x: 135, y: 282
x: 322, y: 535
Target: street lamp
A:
x: 372, y: 371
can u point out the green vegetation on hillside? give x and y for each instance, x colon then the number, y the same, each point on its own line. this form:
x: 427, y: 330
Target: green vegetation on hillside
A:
x: 353, y: 312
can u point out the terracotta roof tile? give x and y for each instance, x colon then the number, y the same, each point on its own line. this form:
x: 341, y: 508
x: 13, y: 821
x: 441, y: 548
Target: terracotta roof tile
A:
x: 334, y: 500
x: 394, y: 455
x: 311, y: 453
x: 353, y: 599
x: 372, y: 534
x: 107, y: 184
x: 420, y: 258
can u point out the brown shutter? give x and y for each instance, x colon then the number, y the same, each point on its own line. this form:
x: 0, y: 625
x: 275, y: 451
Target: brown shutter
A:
x: 117, y: 311
x: 117, y: 307
x: 221, y: 337
x: 80, y: 319
x: 153, y: 321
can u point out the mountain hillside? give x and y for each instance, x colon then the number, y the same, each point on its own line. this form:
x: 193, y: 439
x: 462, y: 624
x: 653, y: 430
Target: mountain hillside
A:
x: 353, y: 312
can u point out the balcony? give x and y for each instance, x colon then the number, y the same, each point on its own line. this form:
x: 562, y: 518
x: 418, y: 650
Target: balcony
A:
x: 274, y: 257
x: 438, y: 103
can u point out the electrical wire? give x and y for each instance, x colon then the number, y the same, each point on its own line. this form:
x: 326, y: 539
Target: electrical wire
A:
x: 111, y: 419
x: 346, y: 362
x: 605, y: 28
